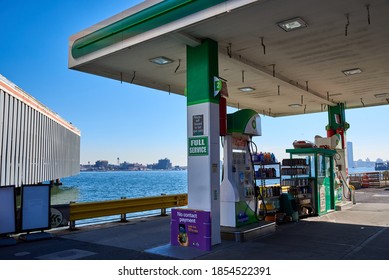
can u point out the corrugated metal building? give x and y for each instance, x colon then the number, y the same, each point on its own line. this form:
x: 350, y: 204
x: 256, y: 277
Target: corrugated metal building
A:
x: 36, y: 144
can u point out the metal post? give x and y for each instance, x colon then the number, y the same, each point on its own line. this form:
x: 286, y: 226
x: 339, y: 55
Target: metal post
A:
x: 72, y: 224
x: 352, y: 188
x: 163, y: 210
x: 123, y: 216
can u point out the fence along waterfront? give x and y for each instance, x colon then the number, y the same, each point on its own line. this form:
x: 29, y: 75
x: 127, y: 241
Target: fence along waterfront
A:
x: 36, y: 144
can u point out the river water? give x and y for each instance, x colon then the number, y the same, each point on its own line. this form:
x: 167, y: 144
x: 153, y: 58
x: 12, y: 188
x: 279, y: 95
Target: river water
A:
x: 99, y: 186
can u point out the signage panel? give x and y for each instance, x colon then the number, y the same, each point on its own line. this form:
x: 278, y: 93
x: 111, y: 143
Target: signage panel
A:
x: 191, y: 228
x: 198, y: 146
x: 35, y: 208
x: 7, y: 210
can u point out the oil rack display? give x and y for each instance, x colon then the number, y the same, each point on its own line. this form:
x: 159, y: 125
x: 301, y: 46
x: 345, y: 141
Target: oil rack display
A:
x: 309, y: 176
x: 268, y: 178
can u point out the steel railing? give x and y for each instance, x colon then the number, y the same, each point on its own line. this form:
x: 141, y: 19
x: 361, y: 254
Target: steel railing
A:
x: 88, y: 210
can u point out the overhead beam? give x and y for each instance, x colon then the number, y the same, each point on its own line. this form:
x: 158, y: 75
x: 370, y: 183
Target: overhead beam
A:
x: 187, y: 39
x: 281, y: 80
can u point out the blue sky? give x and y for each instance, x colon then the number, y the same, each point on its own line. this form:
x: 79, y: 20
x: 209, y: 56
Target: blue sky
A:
x: 134, y: 123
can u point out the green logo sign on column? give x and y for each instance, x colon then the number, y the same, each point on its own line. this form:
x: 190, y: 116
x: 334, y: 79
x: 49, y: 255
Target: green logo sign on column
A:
x: 198, y: 146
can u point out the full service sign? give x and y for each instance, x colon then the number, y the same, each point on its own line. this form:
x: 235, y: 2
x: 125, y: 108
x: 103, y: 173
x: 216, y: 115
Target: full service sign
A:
x: 198, y: 146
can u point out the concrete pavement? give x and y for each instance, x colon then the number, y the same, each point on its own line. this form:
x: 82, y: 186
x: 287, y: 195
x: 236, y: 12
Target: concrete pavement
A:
x: 358, y: 231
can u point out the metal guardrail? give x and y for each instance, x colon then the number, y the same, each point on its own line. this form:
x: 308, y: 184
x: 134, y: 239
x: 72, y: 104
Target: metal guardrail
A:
x: 369, y: 179
x: 87, y: 210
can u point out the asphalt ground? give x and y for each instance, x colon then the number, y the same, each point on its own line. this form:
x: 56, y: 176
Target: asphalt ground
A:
x: 356, y: 232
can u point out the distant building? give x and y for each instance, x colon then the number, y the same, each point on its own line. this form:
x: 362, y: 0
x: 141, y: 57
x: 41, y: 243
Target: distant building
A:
x: 101, y: 164
x: 131, y: 166
x: 104, y: 165
x: 126, y: 166
x: 163, y: 164
x: 366, y: 163
x: 350, y: 154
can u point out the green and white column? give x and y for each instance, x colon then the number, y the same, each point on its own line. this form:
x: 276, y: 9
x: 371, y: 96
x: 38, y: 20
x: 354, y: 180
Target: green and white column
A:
x: 203, y: 133
x: 337, y: 125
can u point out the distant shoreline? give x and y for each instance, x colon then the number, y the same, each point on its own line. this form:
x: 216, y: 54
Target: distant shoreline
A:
x: 135, y: 170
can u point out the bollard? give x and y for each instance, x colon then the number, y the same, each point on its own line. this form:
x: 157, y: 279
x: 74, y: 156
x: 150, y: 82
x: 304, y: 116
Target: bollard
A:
x: 72, y: 224
x: 163, y: 210
x: 123, y: 216
x: 352, y: 188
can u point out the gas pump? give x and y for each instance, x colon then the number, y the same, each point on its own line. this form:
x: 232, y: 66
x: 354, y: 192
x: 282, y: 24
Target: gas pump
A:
x: 342, y: 189
x: 340, y: 162
x: 238, y: 201
x: 336, y: 139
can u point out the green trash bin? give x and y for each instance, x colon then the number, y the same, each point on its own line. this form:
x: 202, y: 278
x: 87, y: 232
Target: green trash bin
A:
x: 288, y: 206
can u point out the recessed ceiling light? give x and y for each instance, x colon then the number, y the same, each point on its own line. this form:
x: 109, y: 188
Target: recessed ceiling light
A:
x: 296, y: 105
x: 246, y: 89
x: 353, y: 71
x: 161, y: 60
x: 292, y: 24
x: 381, y: 95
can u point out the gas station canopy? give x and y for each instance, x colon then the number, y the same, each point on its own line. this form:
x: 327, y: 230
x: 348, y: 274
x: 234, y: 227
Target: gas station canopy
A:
x: 278, y: 57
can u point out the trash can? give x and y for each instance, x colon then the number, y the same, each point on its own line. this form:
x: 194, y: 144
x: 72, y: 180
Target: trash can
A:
x: 288, y: 205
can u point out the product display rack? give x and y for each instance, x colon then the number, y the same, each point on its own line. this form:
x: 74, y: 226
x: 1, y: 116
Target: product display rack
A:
x: 296, y: 174
x: 309, y: 173
x: 269, y: 176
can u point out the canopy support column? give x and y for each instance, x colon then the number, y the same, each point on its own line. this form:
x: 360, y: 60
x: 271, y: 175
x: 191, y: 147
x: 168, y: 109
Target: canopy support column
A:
x: 337, y: 125
x: 203, y: 133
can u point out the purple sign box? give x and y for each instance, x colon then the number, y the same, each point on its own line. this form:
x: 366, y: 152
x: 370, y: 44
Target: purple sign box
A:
x: 191, y: 228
